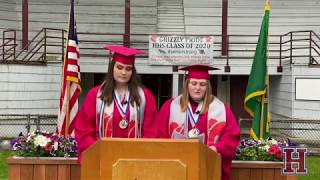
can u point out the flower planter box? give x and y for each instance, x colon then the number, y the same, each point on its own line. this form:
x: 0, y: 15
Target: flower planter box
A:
x: 258, y: 170
x: 43, y: 168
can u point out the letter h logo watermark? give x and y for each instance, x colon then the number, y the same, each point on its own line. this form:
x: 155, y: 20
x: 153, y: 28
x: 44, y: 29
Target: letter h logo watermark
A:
x: 294, y: 161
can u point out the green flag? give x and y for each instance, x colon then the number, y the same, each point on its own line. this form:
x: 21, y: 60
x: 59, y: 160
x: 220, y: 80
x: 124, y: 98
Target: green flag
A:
x: 256, y: 101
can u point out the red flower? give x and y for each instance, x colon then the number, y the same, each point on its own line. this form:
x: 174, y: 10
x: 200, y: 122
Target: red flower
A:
x: 273, y: 149
x: 48, y: 147
x: 279, y: 154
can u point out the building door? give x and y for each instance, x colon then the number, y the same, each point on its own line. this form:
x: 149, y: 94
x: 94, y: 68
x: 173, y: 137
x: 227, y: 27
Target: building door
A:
x: 160, y: 85
x: 238, y: 85
x: 214, y: 84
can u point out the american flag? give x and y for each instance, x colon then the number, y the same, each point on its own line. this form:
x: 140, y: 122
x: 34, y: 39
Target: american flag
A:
x: 71, y: 81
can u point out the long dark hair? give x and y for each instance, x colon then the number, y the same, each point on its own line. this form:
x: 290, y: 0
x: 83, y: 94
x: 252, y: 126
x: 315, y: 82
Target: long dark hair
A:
x: 107, y: 89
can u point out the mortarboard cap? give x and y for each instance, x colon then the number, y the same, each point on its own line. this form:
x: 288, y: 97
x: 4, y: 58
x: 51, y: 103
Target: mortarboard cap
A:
x: 198, y: 71
x: 123, y: 54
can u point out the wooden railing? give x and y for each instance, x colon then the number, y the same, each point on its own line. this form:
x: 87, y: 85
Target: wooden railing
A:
x: 300, y: 44
x: 50, y: 42
x: 8, y: 45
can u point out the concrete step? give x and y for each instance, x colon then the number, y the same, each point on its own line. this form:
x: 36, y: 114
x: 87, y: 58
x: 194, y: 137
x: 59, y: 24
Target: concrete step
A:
x: 170, y: 24
x: 173, y: 12
x: 170, y: 4
x: 162, y: 30
x: 179, y: 6
x: 171, y: 32
x: 164, y: 20
x: 173, y: 26
x: 170, y: 16
x: 170, y: 19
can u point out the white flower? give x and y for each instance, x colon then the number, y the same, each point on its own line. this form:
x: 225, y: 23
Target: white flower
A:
x: 15, y: 146
x: 29, y: 138
x: 41, y: 140
x: 265, y: 147
x: 272, y: 142
x: 55, y: 145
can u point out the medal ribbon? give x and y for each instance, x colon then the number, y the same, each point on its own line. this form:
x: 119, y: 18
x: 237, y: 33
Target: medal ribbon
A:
x: 193, y: 117
x: 101, y: 127
x: 123, y: 109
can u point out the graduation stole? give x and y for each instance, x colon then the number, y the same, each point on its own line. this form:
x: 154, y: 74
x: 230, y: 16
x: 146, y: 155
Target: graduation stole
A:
x: 104, y: 116
x: 216, y: 121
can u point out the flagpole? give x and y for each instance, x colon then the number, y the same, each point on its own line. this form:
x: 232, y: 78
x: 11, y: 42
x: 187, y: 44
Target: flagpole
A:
x: 261, y: 117
x: 66, y: 126
x: 66, y: 134
x: 267, y: 76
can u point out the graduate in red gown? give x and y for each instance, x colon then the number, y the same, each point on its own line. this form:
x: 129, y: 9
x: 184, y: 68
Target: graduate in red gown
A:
x: 196, y: 113
x: 119, y: 107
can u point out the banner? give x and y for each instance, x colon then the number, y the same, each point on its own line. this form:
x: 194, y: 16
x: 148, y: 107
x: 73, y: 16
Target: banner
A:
x: 180, y: 50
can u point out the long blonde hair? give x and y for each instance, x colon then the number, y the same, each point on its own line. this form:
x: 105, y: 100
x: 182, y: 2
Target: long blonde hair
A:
x: 208, y: 97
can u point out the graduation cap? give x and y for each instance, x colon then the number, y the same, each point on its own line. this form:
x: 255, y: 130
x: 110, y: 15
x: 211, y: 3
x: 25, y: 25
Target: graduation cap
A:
x: 123, y: 54
x: 198, y: 71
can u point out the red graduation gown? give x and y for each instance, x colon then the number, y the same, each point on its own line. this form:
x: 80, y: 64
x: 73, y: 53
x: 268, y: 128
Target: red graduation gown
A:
x: 86, y: 131
x: 227, y: 143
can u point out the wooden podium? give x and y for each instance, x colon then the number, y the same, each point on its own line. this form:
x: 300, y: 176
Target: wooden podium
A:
x: 146, y: 159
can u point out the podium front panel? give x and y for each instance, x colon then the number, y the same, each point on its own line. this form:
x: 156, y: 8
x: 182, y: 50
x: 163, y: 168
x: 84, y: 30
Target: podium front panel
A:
x: 113, y: 157
x: 128, y: 169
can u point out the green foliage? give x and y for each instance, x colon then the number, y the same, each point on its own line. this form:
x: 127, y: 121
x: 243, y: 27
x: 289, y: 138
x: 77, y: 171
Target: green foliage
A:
x: 3, y: 164
x: 251, y: 150
x: 313, y: 168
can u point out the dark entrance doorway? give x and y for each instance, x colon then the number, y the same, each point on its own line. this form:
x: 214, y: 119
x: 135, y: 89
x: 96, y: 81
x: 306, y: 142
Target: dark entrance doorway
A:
x: 238, y: 85
x: 160, y: 85
x: 214, y: 84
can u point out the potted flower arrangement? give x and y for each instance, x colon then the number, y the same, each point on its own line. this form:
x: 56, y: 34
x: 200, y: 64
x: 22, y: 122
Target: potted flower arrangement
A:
x: 44, y: 144
x: 268, y: 150
x: 260, y: 159
x: 43, y: 155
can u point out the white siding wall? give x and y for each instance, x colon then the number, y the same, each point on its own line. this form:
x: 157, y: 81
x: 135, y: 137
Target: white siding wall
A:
x: 203, y: 16
x: 303, y: 109
x: 245, y: 16
x: 281, y: 93
x: 8, y: 17
x: 29, y: 89
x: 95, y: 16
x: 223, y: 89
x: 284, y: 105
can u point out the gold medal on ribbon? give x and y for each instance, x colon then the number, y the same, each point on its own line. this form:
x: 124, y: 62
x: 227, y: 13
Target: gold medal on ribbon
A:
x: 193, y: 133
x: 123, y: 123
